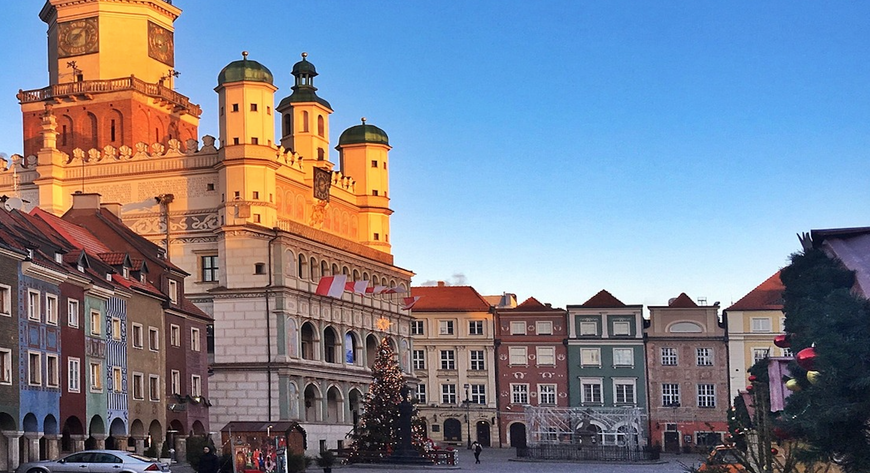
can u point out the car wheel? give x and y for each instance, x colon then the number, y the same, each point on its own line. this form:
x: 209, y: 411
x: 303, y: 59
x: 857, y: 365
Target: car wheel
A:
x: 36, y: 470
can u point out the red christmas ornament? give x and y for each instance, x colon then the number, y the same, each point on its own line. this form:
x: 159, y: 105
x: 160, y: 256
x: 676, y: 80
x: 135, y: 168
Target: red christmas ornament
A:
x: 806, y: 358
x: 749, y: 388
x: 774, y: 451
x: 753, y: 378
x: 782, y: 341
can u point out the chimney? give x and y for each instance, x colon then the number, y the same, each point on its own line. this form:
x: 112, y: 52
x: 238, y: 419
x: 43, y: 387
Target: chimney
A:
x: 113, y: 207
x: 441, y: 284
x: 89, y: 201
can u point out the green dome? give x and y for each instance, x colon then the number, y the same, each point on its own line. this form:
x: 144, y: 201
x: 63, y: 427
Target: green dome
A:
x: 304, y: 67
x: 363, y: 133
x: 244, y: 70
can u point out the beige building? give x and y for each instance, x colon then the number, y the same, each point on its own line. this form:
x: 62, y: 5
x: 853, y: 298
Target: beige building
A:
x: 257, y: 218
x: 753, y: 322
x: 453, y: 358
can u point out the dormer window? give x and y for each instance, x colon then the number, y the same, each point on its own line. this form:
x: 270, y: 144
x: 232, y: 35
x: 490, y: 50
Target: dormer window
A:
x: 108, y: 276
x: 58, y: 258
x: 30, y: 253
x: 142, y: 277
x: 173, y: 291
x: 126, y: 272
x: 80, y: 268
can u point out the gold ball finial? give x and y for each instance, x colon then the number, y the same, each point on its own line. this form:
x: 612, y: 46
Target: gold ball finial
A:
x: 363, y: 120
x: 304, y: 55
x: 244, y: 55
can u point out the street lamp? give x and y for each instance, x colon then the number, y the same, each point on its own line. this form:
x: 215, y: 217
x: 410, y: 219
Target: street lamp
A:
x: 675, y: 405
x: 467, y: 403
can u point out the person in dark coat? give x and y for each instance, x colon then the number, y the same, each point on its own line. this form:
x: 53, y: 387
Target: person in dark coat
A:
x: 476, y: 448
x: 208, y: 462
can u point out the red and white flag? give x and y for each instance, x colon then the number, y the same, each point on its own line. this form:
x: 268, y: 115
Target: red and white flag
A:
x: 395, y: 290
x: 410, y: 301
x: 356, y: 287
x: 376, y: 289
x: 332, y: 286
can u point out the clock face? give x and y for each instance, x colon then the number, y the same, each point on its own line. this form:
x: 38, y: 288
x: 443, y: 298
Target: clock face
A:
x: 78, y: 37
x: 161, y: 46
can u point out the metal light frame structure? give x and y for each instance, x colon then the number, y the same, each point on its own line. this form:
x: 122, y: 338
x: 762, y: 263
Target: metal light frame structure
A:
x: 586, y: 425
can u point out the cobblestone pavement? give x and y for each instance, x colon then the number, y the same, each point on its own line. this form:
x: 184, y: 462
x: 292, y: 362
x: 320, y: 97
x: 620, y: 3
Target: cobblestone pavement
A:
x: 505, y: 461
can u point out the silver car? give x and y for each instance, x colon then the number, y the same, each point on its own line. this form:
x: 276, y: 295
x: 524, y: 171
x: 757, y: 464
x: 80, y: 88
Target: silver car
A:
x: 97, y: 461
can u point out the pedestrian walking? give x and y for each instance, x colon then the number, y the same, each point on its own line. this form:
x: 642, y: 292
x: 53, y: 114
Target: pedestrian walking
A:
x: 476, y: 448
x: 208, y: 462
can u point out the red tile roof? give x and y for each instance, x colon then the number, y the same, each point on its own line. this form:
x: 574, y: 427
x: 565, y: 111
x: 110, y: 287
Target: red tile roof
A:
x: 683, y: 302
x: 603, y: 299
x: 767, y: 296
x: 449, y: 299
x: 113, y: 259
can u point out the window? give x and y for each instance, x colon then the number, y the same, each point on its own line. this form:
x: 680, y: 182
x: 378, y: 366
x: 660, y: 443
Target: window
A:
x: 590, y: 391
x: 95, y: 323
x: 448, y: 394
x: 117, y: 379
x: 590, y: 357
x: 96, y: 380
x: 52, y: 371
x: 154, y: 387
x: 448, y: 360
x: 518, y: 327
x: 51, y: 309
x: 476, y: 361
x: 786, y: 352
x: 34, y: 368
x: 253, y: 107
x: 235, y: 107
x: 72, y: 313
x: 588, y: 328
x: 477, y: 394
x: 421, y: 394
x: 623, y: 357
x: 706, y: 395
x: 546, y: 356
x: 194, y: 339
x: 759, y: 354
x: 418, y: 358
x: 209, y: 265
x: 173, y: 291
x: 417, y: 327
x: 5, y: 366
x: 669, y: 357
x: 705, y: 356
x: 374, y: 163
x: 5, y: 300
x: 174, y: 335
x: 196, y: 385
x: 670, y: 394
x: 518, y: 356
x: 153, y: 339
x: 475, y: 327
x: 175, y: 382
x: 116, y: 328
x: 621, y: 328
x: 137, y: 335
x: 519, y: 393
x: 445, y: 327
x: 623, y: 391
x: 74, y: 375
x: 138, y: 386
x: 760, y: 324
x: 33, y: 305
x: 547, y: 394
x: 544, y: 327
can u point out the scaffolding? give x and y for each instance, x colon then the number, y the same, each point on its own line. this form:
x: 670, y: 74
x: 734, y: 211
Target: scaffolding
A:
x: 586, y: 426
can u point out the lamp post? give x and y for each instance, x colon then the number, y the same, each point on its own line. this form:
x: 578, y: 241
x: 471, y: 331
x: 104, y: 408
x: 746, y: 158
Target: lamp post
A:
x: 674, y: 405
x: 467, y: 403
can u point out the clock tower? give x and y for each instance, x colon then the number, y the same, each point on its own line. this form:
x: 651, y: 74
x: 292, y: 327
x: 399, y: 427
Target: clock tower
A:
x: 111, y: 68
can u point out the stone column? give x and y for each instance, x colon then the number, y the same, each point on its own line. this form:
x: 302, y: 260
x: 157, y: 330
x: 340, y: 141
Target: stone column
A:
x: 101, y: 441
x: 78, y: 442
x: 52, y: 446
x: 31, y: 446
x: 180, y: 448
x: 12, y: 449
x: 140, y: 443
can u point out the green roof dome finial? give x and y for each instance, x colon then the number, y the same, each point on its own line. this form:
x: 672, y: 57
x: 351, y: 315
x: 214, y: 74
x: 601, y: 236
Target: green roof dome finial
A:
x: 363, y: 133
x: 303, y: 88
x: 244, y: 70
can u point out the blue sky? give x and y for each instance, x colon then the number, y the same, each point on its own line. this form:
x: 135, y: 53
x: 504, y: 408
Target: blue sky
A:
x: 556, y: 148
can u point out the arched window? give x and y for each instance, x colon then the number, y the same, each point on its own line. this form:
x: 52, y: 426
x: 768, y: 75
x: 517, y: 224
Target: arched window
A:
x: 356, y: 275
x: 315, y: 270
x: 321, y: 154
x: 334, y: 269
x: 324, y: 268
x: 290, y: 263
x: 288, y: 124
x: 308, y: 341
x: 303, y: 267
x: 304, y: 121
x: 321, y: 126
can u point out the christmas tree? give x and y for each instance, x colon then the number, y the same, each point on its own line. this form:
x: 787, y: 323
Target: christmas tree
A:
x: 376, y: 436
x: 829, y: 331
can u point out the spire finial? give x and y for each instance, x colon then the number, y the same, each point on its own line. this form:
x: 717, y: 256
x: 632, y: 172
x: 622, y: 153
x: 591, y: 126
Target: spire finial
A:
x: 304, y: 55
x: 245, y: 55
x: 363, y: 120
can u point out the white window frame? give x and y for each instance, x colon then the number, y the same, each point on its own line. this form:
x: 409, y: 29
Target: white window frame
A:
x: 475, y: 327
x: 670, y: 394
x: 448, y: 359
x: 174, y: 335
x: 544, y: 327
x: 173, y: 291
x: 547, y: 394
x: 417, y: 327
x: 72, y: 313
x: 5, y: 366
x: 95, y: 376
x: 195, y: 339
x: 96, y: 322
x: 137, y: 332
x: 759, y: 354
x: 518, y: 356
x: 619, y: 384
x: 52, y: 370
x: 477, y: 394
x: 34, y: 368
x: 5, y: 300
x: 175, y: 382
x: 593, y: 396
x: 446, y: 327
x: 706, y: 395
x: 154, y: 388
x: 418, y: 359
x: 621, y: 328
x: 448, y: 394
x: 669, y: 356
x: 518, y: 327
x: 704, y: 356
x: 420, y: 393
x: 153, y: 339
x: 74, y: 374
x: 590, y: 357
x: 196, y: 385
x: 138, y: 386
x: 519, y: 393
x: 760, y: 325
x: 33, y: 309
x: 116, y: 328
x: 623, y: 357
x: 588, y: 328
x: 476, y: 360
x: 51, y: 309
x: 117, y: 379
x: 545, y: 356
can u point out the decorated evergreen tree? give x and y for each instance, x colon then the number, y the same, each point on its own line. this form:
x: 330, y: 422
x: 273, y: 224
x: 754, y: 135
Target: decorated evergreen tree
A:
x: 376, y: 435
x: 829, y: 331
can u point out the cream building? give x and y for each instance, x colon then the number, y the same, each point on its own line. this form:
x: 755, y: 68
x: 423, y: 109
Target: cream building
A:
x: 257, y: 218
